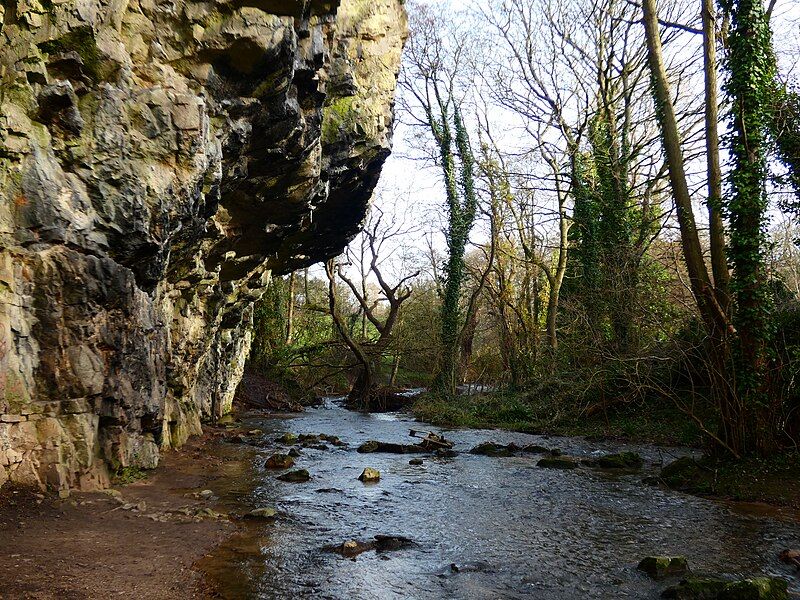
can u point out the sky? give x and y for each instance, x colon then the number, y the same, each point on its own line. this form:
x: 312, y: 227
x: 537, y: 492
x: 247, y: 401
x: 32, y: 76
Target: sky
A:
x: 411, y: 188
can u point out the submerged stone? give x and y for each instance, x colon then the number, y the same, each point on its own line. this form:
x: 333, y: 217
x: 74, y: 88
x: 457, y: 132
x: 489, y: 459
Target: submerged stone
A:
x: 372, y: 446
x: 696, y: 588
x: 493, y: 449
x: 536, y: 449
x: 659, y: 567
x: 386, y: 543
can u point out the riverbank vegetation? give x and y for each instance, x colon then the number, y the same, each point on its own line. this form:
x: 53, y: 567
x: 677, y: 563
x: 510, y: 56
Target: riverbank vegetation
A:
x: 612, y: 241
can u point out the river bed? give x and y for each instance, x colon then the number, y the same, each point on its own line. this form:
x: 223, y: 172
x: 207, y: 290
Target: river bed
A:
x: 482, y: 527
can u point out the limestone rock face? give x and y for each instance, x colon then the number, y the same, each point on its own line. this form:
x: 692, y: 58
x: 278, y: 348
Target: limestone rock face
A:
x: 159, y: 159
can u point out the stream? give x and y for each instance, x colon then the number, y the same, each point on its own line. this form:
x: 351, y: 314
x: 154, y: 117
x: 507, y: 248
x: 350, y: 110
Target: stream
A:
x: 510, y: 528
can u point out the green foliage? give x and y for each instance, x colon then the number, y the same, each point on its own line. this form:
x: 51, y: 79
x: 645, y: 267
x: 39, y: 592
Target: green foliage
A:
x: 607, y: 239
x: 784, y: 126
x: 775, y: 479
x: 552, y: 410
x: 269, y: 326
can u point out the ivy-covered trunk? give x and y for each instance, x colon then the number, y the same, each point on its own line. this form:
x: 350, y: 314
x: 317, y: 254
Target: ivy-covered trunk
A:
x: 751, y: 70
x: 461, y: 209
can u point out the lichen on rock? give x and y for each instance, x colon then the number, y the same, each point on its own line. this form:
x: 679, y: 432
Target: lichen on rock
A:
x: 158, y: 161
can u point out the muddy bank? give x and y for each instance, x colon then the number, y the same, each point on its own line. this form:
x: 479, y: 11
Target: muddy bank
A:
x: 140, y: 540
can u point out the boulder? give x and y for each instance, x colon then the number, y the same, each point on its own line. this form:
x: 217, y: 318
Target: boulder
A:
x: 294, y: 452
x: 279, y: 461
x: 757, y: 588
x: 711, y: 588
x: 415, y: 461
x: 369, y: 474
x: 659, y: 567
x: 298, y: 476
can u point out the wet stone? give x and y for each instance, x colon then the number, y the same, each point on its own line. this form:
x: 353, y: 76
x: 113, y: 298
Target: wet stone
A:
x: 622, y: 460
x: 415, y: 461
x: 757, y: 588
x: 536, y: 449
x: 298, y: 476
x: 265, y: 513
x: 287, y: 438
x: 389, y: 448
x: 711, y: 588
x: 659, y: 567
x: 696, y: 588
x: 279, y: 461
x: 380, y: 544
x: 494, y: 450
x: 557, y: 462
x: 369, y: 474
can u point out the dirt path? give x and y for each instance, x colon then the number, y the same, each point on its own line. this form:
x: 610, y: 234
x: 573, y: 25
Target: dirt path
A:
x: 138, y: 541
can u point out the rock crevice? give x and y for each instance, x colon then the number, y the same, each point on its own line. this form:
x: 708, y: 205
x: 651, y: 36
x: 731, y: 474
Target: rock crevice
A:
x: 159, y: 159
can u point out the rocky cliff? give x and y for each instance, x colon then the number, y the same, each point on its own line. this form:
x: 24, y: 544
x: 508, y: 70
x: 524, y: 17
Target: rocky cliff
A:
x: 158, y: 160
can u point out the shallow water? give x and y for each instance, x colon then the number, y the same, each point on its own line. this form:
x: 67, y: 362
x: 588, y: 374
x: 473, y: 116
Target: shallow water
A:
x: 513, y: 530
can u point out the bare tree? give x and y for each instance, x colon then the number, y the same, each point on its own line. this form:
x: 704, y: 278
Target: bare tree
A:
x: 370, y: 351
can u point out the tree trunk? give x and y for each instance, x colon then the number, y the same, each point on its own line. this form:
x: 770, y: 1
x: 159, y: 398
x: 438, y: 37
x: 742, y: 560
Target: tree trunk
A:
x: 710, y: 309
x: 692, y: 251
x: 719, y: 261
x: 290, y: 311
